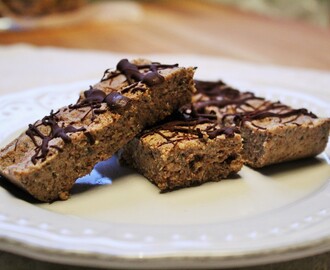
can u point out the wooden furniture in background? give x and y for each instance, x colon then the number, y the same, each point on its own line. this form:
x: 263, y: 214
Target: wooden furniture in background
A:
x: 198, y: 27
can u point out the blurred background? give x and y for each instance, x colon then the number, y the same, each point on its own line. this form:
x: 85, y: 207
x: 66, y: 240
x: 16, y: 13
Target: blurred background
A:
x: 313, y: 11
x: 286, y: 32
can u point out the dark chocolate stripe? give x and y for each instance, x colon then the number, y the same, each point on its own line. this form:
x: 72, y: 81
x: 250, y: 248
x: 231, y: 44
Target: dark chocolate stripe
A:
x: 219, y: 95
x: 94, y: 99
x: 56, y: 131
x: 222, y: 96
x: 133, y: 74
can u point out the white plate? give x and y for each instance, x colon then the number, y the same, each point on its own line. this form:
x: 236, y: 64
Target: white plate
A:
x: 116, y: 218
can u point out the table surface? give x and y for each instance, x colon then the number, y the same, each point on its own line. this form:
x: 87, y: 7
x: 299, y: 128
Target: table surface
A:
x: 199, y: 27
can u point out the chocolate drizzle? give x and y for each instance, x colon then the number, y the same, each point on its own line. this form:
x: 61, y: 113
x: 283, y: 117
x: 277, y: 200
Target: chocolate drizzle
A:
x: 116, y: 101
x: 216, y: 89
x: 188, y: 128
x: 225, y: 110
x: 56, y: 131
x: 94, y: 100
x: 188, y: 122
x: 225, y: 98
x: 134, y: 75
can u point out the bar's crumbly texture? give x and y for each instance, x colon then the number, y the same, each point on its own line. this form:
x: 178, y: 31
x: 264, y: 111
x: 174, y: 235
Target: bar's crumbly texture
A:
x: 65, y: 145
x: 183, y: 153
x: 272, y: 132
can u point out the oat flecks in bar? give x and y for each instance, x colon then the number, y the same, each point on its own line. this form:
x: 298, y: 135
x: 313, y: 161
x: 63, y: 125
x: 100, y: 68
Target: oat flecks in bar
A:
x: 65, y: 145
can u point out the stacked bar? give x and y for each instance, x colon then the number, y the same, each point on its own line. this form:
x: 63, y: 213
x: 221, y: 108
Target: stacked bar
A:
x: 202, y: 141
x: 53, y: 152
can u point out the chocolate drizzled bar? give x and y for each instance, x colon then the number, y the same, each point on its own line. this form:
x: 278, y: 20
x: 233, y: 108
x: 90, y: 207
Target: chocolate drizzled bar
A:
x: 202, y: 141
x: 187, y: 149
x: 53, y: 152
x: 272, y: 132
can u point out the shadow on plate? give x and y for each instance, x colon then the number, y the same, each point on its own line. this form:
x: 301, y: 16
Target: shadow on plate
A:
x: 104, y: 173
x: 291, y: 166
x: 16, y: 191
